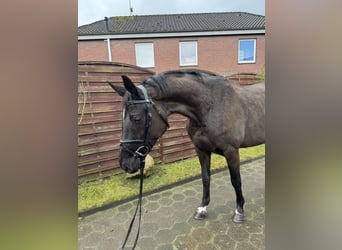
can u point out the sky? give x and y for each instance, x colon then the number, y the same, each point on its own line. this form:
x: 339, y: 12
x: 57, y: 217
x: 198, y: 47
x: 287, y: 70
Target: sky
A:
x: 94, y: 10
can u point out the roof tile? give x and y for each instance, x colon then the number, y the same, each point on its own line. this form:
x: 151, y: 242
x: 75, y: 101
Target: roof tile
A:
x: 175, y: 23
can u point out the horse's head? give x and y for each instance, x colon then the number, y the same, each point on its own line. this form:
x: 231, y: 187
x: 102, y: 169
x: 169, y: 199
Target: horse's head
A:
x: 143, y: 122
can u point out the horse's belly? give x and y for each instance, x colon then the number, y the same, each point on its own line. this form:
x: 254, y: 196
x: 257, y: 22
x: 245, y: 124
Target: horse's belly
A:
x: 252, y: 143
x: 254, y: 134
x: 253, y: 138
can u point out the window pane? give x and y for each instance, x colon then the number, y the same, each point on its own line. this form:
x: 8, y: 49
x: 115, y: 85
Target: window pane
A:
x: 144, y: 54
x: 247, y: 51
x: 188, y: 53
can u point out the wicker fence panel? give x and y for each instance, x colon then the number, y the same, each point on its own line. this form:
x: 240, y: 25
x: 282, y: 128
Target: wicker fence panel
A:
x: 99, y: 115
x: 245, y: 78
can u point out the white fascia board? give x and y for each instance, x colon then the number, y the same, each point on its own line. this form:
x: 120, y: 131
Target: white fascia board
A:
x: 174, y: 34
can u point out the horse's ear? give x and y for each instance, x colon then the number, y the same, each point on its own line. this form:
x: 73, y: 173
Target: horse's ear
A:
x: 120, y: 90
x: 129, y: 85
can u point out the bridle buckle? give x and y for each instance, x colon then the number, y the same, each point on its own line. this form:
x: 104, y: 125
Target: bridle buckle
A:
x: 142, y: 151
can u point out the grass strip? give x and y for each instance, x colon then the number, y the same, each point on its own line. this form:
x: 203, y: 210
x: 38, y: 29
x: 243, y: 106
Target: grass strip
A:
x: 102, y: 192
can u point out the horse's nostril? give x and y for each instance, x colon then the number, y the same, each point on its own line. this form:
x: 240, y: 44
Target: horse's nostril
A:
x: 124, y: 167
x: 131, y: 171
x: 127, y: 169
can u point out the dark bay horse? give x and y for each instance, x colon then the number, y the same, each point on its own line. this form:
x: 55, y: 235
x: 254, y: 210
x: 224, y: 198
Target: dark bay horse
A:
x: 223, y: 117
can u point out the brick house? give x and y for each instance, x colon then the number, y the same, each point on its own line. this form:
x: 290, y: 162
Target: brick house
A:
x: 226, y: 43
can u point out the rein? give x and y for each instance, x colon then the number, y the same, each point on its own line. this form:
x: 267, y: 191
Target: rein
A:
x: 140, y: 153
x: 142, y: 165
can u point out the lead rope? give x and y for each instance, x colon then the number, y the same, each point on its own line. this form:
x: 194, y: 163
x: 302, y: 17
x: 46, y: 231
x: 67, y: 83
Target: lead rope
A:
x: 142, y: 165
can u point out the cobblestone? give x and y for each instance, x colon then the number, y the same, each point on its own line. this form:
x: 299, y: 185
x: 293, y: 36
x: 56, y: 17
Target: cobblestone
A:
x: 167, y: 219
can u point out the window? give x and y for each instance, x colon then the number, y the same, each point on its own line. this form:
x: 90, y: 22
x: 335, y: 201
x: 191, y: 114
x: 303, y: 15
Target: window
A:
x: 187, y: 53
x: 247, y: 51
x: 144, y: 54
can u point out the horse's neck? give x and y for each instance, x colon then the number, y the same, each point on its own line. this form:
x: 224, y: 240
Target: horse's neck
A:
x: 187, y: 98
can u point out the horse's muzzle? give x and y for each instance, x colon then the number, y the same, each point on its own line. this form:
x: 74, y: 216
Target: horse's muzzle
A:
x: 129, y: 164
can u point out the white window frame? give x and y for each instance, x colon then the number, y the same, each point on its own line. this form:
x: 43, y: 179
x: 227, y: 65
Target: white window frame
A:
x: 254, y: 52
x: 181, y: 62
x: 140, y: 59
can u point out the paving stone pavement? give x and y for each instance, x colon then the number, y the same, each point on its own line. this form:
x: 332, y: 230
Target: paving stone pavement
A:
x: 167, y: 217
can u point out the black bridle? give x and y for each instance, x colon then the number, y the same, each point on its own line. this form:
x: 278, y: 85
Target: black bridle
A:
x: 146, y: 146
x: 140, y: 153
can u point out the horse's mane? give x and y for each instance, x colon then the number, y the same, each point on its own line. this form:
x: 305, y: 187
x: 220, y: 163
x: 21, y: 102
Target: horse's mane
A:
x: 159, y: 82
x: 200, y: 74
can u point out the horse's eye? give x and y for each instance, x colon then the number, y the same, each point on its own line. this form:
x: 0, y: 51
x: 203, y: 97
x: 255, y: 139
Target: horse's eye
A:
x: 135, y: 117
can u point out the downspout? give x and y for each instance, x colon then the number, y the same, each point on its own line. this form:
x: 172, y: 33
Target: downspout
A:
x: 108, y: 40
x: 109, y: 50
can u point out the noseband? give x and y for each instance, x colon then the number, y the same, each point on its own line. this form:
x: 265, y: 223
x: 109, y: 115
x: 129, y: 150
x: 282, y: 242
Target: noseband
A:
x: 144, y: 149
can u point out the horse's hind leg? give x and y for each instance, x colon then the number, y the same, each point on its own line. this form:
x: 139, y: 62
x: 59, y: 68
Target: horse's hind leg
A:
x: 204, y: 158
x: 233, y: 160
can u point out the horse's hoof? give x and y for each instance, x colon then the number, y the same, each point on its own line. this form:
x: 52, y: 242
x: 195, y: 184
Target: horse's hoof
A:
x: 200, y: 213
x: 199, y: 216
x: 238, y: 217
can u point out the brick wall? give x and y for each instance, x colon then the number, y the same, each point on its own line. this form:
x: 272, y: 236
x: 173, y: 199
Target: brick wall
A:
x: 216, y: 53
x: 92, y: 50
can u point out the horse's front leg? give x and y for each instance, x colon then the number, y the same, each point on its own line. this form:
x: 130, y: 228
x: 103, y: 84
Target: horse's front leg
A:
x: 233, y: 160
x: 204, y: 158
